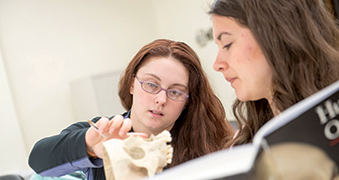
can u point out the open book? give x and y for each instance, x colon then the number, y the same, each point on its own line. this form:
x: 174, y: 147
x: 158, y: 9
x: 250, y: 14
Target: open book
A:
x: 305, y: 133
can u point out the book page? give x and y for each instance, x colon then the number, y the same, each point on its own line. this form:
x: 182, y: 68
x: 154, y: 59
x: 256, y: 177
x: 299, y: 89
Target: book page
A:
x: 224, y: 163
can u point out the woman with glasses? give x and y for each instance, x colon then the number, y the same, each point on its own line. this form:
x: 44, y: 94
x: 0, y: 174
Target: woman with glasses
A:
x: 163, y: 88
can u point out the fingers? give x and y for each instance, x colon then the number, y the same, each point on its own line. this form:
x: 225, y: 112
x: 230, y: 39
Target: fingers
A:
x: 126, y: 126
x: 103, y: 125
x: 117, y: 122
x: 106, y: 129
x: 118, y: 127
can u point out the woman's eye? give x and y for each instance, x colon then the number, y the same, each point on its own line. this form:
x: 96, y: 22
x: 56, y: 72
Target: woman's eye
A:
x: 227, y: 46
x: 152, y: 85
x: 175, y: 93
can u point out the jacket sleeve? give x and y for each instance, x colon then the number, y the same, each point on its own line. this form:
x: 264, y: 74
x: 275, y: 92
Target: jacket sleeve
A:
x: 63, y: 153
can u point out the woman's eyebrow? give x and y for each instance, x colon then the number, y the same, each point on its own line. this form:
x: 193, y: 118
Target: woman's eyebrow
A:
x: 181, y: 85
x: 153, y: 75
x: 158, y: 78
x: 223, y: 33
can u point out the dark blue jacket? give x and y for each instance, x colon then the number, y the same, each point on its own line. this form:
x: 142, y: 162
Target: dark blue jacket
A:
x: 65, y: 153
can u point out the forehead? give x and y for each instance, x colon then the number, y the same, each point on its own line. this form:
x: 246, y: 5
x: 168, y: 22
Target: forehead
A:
x: 166, y: 68
x: 223, y: 25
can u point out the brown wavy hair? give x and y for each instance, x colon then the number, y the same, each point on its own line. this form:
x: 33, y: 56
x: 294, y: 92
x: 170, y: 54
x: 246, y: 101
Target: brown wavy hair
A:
x: 300, y: 41
x: 202, y: 127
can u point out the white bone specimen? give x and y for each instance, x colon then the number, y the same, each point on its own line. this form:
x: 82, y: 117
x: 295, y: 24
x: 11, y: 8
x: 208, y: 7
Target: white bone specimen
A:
x: 136, y: 157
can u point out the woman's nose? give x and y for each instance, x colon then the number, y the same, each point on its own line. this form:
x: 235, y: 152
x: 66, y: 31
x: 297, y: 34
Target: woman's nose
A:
x: 161, y: 97
x: 220, y: 63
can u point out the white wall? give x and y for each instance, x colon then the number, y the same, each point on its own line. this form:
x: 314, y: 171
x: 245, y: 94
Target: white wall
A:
x: 46, y: 44
x: 180, y: 20
x: 10, y: 130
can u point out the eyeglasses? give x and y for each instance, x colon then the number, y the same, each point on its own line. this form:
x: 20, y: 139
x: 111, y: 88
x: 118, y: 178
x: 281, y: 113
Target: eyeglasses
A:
x: 153, y: 88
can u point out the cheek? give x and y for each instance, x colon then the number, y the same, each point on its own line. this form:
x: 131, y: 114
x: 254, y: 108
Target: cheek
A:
x: 176, y: 109
x: 257, y: 53
x: 248, y: 53
x: 140, y: 97
x: 253, y: 49
x: 250, y: 57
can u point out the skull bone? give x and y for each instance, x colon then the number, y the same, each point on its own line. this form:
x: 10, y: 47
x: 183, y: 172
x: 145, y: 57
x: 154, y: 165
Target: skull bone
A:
x: 136, y: 157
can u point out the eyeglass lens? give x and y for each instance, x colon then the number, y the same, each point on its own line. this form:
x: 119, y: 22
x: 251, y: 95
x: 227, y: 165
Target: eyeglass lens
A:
x: 153, y: 88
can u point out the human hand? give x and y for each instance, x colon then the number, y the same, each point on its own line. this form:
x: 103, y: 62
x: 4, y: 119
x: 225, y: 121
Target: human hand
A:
x: 117, y: 128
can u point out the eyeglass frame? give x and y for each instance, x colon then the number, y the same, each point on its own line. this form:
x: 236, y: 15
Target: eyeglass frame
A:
x: 142, y: 82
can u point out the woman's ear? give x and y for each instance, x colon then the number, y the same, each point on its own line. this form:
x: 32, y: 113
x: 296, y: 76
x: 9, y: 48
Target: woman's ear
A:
x: 131, y: 89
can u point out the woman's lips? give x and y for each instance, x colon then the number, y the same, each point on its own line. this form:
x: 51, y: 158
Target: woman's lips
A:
x: 156, y: 113
x: 231, y: 80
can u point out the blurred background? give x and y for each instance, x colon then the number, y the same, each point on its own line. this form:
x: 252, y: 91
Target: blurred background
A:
x: 60, y: 61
